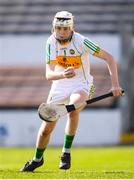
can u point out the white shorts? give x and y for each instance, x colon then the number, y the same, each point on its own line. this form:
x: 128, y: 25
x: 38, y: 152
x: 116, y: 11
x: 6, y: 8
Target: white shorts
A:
x: 60, y: 92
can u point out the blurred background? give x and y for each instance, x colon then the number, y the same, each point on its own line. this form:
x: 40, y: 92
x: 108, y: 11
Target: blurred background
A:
x: 25, y: 26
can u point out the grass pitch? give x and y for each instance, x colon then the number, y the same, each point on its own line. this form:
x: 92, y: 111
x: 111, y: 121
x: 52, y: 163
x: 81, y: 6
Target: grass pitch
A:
x: 87, y: 163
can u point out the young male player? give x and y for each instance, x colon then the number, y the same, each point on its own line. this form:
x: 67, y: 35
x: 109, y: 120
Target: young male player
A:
x: 68, y: 66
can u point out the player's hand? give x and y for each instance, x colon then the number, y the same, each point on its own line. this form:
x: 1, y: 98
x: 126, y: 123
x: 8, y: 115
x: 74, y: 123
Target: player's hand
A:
x: 117, y: 91
x: 69, y: 72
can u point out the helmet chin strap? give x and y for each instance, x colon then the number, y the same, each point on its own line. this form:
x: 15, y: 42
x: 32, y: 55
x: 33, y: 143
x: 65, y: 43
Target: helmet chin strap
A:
x: 65, y: 40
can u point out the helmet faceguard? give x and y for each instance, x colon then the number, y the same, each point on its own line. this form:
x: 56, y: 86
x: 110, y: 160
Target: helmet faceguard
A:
x: 63, y: 19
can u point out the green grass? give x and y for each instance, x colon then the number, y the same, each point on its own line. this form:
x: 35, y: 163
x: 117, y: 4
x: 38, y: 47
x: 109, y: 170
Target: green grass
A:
x: 87, y: 163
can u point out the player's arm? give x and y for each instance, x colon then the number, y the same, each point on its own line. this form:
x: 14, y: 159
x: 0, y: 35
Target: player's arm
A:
x: 113, y: 70
x: 95, y: 50
x: 51, y: 74
x: 51, y: 62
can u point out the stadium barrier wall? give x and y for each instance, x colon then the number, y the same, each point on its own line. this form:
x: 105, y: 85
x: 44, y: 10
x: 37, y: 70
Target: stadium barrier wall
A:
x: 96, y: 127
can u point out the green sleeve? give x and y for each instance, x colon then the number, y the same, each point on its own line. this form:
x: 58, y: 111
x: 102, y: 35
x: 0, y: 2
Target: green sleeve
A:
x: 47, y: 53
x: 91, y: 46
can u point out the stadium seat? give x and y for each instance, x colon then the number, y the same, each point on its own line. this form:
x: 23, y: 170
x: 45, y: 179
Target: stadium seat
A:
x: 27, y: 87
x: 94, y: 16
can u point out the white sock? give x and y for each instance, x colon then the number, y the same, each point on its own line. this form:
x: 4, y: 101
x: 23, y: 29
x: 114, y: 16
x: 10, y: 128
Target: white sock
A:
x: 37, y: 160
x: 65, y: 150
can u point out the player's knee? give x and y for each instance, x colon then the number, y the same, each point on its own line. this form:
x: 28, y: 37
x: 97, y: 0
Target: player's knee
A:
x: 46, y: 131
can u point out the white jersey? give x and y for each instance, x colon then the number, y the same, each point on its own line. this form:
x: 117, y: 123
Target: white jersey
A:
x: 75, y: 54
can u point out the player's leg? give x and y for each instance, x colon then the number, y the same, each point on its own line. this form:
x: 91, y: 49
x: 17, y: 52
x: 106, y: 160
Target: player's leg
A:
x: 44, y: 133
x: 43, y: 138
x: 41, y: 144
x: 70, y: 130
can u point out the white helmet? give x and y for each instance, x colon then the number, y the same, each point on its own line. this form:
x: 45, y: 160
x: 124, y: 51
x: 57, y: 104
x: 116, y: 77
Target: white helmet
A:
x: 63, y: 19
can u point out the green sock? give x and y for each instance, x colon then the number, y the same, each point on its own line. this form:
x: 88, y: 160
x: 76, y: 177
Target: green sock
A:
x: 68, y: 140
x: 38, y: 154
